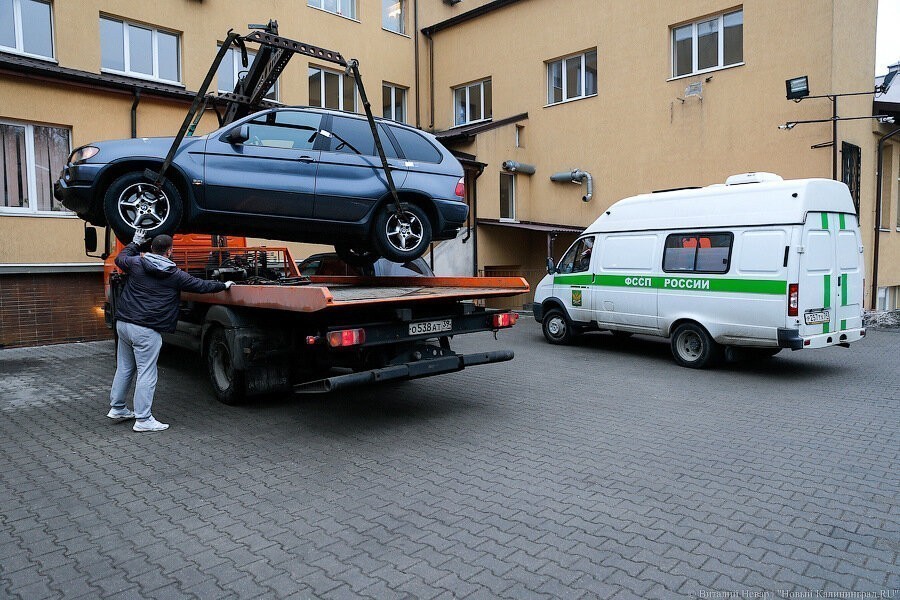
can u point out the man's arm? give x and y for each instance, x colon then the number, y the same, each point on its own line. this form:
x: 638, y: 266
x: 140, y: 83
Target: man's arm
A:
x: 189, y: 283
x: 129, y: 255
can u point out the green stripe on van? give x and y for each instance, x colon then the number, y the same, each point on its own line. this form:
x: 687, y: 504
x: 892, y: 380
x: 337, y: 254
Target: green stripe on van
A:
x: 824, y: 220
x: 826, y: 302
x: 843, y: 223
x: 844, y: 289
x: 843, y: 324
x: 695, y: 284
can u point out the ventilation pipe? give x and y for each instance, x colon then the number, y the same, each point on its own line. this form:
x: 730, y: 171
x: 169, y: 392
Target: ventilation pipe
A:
x: 517, y: 167
x: 576, y: 176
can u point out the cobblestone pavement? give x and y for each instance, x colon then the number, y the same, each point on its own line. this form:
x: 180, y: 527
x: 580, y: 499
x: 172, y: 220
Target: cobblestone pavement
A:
x: 590, y: 471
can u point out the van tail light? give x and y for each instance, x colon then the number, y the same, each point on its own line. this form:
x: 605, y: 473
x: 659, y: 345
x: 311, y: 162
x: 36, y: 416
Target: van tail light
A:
x: 502, y: 320
x: 461, y: 187
x: 793, y: 299
x: 346, y: 337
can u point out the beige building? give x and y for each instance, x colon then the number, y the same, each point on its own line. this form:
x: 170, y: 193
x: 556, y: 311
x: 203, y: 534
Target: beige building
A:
x: 640, y: 96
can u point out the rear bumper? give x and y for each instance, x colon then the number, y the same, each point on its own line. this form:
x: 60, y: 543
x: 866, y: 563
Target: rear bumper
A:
x: 790, y: 338
x: 451, y: 216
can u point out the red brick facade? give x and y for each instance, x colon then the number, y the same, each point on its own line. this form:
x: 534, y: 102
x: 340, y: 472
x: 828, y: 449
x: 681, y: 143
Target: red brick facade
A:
x: 51, y: 308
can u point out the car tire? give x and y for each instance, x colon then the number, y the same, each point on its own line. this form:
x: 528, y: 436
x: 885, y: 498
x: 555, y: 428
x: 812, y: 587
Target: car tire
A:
x: 356, y: 256
x: 227, y: 381
x: 402, y: 239
x: 694, y: 348
x: 557, y: 327
x: 131, y: 201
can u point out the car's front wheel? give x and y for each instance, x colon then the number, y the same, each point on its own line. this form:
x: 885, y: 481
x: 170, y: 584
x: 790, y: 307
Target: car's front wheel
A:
x: 402, y: 238
x: 557, y: 328
x: 131, y: 202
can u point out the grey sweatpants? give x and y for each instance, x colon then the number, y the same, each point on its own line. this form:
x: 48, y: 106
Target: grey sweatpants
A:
x: 137, y: 352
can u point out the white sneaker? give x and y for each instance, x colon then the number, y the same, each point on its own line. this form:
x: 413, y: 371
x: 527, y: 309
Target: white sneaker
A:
x: 149, y: 424
x: 120, y: 414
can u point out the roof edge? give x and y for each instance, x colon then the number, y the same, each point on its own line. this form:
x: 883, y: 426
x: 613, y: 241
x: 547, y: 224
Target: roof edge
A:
x: 467, y: 16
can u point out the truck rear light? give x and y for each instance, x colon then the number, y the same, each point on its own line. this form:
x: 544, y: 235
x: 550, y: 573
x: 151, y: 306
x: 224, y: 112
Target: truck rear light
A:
x: 793, y: 299
x: 346, y: 337
x: 505, y: 319
x: 461, y: 187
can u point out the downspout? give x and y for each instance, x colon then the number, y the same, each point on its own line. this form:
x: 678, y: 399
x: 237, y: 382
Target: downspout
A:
x: 416, y: 60
x: 430, y: 79
x: 878, y: 193
x: 134, y: 105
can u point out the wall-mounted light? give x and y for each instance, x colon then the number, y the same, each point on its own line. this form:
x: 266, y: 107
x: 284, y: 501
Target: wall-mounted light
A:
x: 797, y: 88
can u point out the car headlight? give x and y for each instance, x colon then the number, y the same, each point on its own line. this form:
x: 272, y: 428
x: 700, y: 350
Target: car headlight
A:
x: 82, y: 154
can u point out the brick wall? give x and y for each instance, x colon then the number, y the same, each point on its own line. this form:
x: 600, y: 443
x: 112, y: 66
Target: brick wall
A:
x: 52, y: 308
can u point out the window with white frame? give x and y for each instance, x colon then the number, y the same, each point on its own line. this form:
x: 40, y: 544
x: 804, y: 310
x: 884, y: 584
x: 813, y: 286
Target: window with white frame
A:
x: 472, y: 102
x: 26, y: 27
x: 331, y: 89
x: 393, y: 15
x: 572, y: 77
x: 139, y: 51
x: 708, y: 44
x: 508, y: 196
x: 231, y: 70
x: 345, y: 8
x: 393, y: 102
x: 31, y: 158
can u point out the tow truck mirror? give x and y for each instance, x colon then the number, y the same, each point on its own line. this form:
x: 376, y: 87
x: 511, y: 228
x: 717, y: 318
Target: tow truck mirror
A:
x: 551, y: 268
x: 90, y: 240
x: 238, y: 135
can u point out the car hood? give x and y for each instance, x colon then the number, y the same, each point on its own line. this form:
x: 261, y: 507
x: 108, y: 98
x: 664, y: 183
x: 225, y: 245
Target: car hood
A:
x: 155, y: 147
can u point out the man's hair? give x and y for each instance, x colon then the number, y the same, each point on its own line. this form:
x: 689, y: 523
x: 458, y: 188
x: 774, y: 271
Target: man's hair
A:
x: 161, y: 244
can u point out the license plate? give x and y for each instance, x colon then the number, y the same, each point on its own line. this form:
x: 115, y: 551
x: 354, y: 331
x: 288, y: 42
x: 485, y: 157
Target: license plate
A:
x: 430, y: 327
x: 817, y: 317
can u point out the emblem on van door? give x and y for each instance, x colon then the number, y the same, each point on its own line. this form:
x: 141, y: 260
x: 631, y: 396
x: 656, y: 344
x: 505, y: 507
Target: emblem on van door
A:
x: 576, y: 297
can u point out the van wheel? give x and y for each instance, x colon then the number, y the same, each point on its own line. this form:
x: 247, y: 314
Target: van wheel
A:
x: 557, y: 328
x: 693, y: 347
x: 227, y: 382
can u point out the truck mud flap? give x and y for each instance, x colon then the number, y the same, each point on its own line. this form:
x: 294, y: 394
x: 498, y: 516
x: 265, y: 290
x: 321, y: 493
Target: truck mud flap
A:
x: 410, y: 370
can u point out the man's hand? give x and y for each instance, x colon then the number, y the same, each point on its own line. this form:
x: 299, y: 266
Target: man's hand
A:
x: 140, y: 237
x: 228, y: 285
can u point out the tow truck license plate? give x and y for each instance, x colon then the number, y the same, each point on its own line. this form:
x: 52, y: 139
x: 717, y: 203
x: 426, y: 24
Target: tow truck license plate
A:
x: 817, y: 317
x: 430, y: 326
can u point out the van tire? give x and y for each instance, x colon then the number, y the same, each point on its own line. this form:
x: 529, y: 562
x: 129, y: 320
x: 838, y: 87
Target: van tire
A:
x: 694, y: 348
x: 558, y: 329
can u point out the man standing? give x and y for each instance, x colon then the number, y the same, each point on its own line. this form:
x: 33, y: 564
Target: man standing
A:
x: 148, y: 305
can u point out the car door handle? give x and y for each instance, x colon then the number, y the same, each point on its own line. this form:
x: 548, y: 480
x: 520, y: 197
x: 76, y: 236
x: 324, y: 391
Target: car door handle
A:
x: 306, y: 159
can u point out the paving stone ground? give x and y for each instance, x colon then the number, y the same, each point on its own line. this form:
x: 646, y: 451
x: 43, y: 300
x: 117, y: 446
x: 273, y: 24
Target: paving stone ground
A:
x: 598, y: 470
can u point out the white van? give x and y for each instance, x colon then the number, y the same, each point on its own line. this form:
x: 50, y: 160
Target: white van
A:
x: 757, y: 264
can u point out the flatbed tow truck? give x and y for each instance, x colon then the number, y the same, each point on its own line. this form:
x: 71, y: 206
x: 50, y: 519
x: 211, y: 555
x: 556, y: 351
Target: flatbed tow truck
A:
x: 276, y: 331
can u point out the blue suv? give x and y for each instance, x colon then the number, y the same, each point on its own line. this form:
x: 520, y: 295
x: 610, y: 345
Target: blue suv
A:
x: 296, y: 174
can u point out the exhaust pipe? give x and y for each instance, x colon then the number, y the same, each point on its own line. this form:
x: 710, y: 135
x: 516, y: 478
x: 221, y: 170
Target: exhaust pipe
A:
x: 576, y: 176
x: 517, y: 167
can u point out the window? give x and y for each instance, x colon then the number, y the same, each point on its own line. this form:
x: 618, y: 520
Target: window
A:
x: 887, y: 186
x: 31, y: 158
x: 415, y: 147
x: 572, y: 77
x: 330, y: 89
x: 508, y: 196
x: 231, y: 70
x: 393, y: 15
x: 393, y: 102
x: 708, y: 44
x: 578, y: 258
x: 520, y: 136
x: 628, y: 252
x: 355, y: 136
x: 851, y: 155
x: 345, y: 8
x: 697, y: 253
x: 472, y: 102
x: 26, y: 27
x: 291, y: 129
x: 139, y: 51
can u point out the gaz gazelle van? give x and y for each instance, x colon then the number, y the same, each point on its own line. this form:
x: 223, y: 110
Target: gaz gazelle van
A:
x: 758, y: 263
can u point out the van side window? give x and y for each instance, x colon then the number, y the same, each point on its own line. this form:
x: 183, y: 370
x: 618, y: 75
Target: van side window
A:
x: 697, y: 253
x: 578, y: 258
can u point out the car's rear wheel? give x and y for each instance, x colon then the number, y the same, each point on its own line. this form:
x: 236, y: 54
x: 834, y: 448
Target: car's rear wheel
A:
x: 132, y: 202
x: 402, y: 238
x: 693, y: 347
x: 356, y: 256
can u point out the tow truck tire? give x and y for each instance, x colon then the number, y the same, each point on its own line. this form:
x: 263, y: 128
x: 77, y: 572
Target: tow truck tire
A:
x: 401, y: 239
x: 131, y: 201
x: 227, y: 382
x: 557, y: 327
x: 693, y: 347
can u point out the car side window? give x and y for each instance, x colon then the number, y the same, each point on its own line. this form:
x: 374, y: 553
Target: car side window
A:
x: 697, y: 253
x: 292, y: 129
x: 578, y: 258
x: 355, y: 136
x: 415, y: 147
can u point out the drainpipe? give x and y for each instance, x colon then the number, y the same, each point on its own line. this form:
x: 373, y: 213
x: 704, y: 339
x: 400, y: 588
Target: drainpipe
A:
x: 431, y: 79
x: 134, y: 105
x: 878, y: 193
x: 416, y: 59
x: 576, y: 176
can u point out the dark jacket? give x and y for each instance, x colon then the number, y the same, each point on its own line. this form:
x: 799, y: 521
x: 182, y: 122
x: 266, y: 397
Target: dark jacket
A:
x: 152, y: 294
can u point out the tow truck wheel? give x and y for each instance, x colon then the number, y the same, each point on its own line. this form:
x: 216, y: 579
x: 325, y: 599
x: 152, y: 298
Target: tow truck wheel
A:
x: 227, y: 382
x: 693, y: 347
x: 403, y: 238
x: 132, y: 202
x: 557, y: 328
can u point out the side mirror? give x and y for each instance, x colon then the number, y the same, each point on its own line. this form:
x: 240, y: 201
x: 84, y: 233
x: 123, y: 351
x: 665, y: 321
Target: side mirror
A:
x: 238, y: 135
x: 90, y: 240
x: 551, y: 268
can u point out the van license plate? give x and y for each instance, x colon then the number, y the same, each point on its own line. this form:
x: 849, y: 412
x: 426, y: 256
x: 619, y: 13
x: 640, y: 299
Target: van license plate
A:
x: 430, y: 327
x: 817, y: 317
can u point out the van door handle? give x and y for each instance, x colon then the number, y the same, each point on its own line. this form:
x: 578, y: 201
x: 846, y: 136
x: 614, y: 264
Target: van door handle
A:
x: 306, y: 159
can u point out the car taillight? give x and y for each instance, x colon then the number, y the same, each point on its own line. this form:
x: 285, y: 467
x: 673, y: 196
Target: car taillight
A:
x: 461, y: 187
x: 505, y: 319
x: 793, y: 299
x: 346, y: 337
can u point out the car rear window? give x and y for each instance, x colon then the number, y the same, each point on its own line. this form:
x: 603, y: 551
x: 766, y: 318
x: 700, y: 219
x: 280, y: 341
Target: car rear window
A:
x: 355, y: 135
x: 415, y: 146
